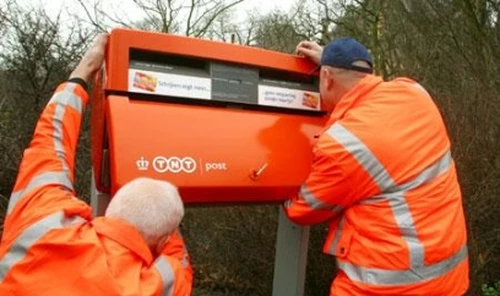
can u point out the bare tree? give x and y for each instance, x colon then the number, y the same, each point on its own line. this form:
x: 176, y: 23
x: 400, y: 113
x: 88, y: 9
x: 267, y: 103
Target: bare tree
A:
x: 225, y: 29
x: 276, y: 32
x: 190, y: 18
x: 3, y: 11
x: 36, y: 55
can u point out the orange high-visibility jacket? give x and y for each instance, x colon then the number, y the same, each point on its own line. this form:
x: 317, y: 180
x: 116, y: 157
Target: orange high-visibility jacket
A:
x: 384, y: 178
x: 51, y: 245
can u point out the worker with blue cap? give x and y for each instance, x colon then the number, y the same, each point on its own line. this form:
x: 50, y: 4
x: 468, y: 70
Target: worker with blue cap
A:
x: 384, y: 180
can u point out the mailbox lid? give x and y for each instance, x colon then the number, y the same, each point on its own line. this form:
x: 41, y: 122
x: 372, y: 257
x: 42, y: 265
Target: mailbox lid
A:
x: 212, y: 154
x: 123, y: 42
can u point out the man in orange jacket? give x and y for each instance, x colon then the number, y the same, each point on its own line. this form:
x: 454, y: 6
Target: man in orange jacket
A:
x: 384, y: 179
x: 52, y: 246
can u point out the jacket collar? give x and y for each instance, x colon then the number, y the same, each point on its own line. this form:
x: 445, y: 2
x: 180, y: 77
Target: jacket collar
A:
x: 363, y: 87
x: 125, y: 234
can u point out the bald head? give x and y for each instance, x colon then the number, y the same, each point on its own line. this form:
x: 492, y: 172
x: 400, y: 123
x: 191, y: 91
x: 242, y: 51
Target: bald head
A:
x: 335, y: 82
x: 153, y: 207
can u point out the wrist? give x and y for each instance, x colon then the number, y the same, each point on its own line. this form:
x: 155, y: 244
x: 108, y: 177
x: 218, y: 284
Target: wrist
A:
x: 83, y: 71
x: 79, y: 81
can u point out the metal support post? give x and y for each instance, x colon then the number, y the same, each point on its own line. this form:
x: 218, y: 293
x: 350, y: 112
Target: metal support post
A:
x: 291, y: 258
x: 99, y: 201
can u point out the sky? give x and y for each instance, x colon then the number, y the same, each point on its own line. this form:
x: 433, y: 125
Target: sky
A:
x: 129, y: 9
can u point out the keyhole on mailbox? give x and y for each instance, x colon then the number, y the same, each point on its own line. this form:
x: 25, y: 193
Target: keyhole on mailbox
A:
x: 255, y: 174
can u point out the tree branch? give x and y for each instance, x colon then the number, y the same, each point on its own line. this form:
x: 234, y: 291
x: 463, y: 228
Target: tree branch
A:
x: 209, y: 22
x: 93, y: 21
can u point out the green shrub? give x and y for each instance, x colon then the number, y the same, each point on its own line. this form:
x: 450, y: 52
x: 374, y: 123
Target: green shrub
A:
x: 493, y: 290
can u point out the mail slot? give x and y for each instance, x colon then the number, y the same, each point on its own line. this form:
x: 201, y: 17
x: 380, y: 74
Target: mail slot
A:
x: 225, y: 123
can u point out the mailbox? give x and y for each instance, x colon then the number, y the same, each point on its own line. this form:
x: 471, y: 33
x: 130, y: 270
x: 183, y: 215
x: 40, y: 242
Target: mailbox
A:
x: 225, y: 123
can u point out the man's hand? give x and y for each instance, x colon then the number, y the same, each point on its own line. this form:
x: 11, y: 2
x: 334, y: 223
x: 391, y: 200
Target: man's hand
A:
x: 311, y: 50
x: 92, y: 60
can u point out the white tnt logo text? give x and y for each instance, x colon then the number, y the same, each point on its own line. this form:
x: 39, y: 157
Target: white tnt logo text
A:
x: 174, y: 164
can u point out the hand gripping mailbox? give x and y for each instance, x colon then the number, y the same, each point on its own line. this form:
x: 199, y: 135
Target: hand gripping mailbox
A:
x: 225, y: 123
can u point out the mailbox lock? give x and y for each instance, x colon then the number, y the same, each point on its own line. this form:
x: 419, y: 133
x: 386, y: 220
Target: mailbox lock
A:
x: 255, y: 174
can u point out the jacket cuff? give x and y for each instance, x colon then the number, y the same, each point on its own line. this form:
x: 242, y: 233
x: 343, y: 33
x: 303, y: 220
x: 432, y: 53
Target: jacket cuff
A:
x: 79, y: 81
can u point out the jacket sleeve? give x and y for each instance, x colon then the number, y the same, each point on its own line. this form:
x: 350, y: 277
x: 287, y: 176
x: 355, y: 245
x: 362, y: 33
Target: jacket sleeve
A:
x: 324, y: 194
x: 177, y: 257
x: 44, y: 184
x: 176, y: 248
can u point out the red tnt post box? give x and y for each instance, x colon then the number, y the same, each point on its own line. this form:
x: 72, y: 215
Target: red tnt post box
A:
x: 225, y: 123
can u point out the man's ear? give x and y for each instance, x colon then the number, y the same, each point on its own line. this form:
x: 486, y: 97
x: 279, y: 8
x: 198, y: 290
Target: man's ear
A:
x: 162, y: 243
x: 329, y: 83
x: 327, y: 77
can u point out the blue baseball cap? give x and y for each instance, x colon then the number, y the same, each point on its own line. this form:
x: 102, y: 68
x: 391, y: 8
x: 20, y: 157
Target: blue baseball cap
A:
x: 343, y: 52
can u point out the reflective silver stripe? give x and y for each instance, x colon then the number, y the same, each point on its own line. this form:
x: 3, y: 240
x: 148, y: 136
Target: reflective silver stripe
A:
x: 67, y: 97
x: 167, y: 275
x: 63, y: 99
x: 420, y: 274
x: 406, y: 225
x: 390, y: 191
x: 185, y: 261
x: 363, y: 155
x: 31, y: 235
x: 315, y: 203
x: 58, y: 178
x: 57, y: 123
x: 427, y: 175
x: 402, y: 213
x: 336, y: 239
x: 381, y: 177
x: 438, y: 168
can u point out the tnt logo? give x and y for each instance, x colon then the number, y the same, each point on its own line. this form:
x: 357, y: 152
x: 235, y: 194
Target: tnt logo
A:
x: 174, y: 164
